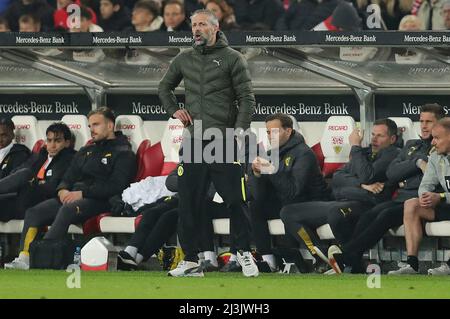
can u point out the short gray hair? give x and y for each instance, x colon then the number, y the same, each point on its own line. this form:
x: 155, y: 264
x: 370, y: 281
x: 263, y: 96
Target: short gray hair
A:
x: 211, y: 17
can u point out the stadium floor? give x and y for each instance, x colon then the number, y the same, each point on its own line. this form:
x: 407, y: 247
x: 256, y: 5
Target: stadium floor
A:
x: 52, y: 284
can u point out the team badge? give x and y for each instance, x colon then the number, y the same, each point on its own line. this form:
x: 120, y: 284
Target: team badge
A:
x: 180, y: 170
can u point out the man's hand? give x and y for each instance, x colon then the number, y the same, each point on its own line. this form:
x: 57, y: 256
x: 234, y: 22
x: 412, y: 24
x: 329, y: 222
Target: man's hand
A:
x: 429, y: 199
x: 72, y: 197
x: 62, y: 194
x: 375, y: 188
x: 356, y: 137
x: 262, y: 166
x: 256, y: 167
x: 184, y: 116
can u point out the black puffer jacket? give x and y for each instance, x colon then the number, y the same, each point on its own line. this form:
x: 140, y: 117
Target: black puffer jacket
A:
x: 101, y: 170
x: 298, y: 178
x: 215, y: 78
x: 404, y: 170
x: 367, y: 168
x: 15, y: 158
x: 53, y: 173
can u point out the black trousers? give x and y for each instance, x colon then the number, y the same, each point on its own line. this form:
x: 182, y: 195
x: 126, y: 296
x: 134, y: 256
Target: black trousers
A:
x: 194, y: 179
x: 60, y: 217
x: 371, y: 227
x: 159, y: 223
x: 14, y: 206
x: 260, y: 212
x: 301, y: 220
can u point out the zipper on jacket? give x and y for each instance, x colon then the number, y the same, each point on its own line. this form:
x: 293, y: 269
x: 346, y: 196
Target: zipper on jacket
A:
x: 202, y: 75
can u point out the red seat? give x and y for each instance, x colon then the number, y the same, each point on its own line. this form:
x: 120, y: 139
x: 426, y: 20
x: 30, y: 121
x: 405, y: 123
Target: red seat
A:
x: 317, y: 149
x: 92, y: 225
x: 137, y: 221
x: 38, y: 146
x: 167, y: 168
x: 150, y: 161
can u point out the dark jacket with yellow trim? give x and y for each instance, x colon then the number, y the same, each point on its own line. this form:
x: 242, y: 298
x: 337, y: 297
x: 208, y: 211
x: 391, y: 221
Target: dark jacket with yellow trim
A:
x: 101, y: 170
x: 298, y: 178
x: 16, y: 157
x: 367, y: 168
x: 404, y: 171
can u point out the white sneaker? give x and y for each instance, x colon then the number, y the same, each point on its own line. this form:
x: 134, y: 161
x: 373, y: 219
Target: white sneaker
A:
x: 17, y: 264
x: 247, y: 262
x: 330, y: 272
x: 334, y: 253
x: 187, y: 269
x: 442, y: 270
x: 405, y: 269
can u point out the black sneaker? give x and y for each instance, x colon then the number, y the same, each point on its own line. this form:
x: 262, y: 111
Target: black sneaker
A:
x: 125, y: 261
x: 231, y: 266
x: 263, y: 266
x: 207, y: 266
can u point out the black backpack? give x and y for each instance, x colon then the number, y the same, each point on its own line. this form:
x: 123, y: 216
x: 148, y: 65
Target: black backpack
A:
x: 52, y: 253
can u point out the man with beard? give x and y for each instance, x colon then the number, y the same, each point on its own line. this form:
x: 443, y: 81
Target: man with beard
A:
x: 220, y: 99
x: 97, y: 172
x: 406, y: 171
x: 298, y: 179
x: 433, y: 202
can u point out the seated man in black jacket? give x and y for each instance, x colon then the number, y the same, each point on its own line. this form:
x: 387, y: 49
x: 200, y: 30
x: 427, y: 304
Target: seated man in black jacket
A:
x: 36, y: 180
x: 11, y: 155
x: 357, y: 186
x: 406, y: 171
x: 97, y: 172
x: 298, y: 179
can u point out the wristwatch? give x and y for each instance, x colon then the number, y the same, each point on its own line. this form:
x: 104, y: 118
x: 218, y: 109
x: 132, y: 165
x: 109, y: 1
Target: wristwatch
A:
x: 442, y: 196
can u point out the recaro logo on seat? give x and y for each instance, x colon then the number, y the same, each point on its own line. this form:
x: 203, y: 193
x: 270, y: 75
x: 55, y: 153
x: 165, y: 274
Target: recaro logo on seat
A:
x: 127, y: 126
x: 338, y: 127
x: 23, y: 126
x: 75, y: 126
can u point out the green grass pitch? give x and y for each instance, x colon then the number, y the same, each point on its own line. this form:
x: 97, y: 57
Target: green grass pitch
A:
x: 52, y: 284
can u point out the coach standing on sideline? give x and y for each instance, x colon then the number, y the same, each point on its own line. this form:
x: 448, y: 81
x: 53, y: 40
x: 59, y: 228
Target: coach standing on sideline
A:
x: 215, y: 77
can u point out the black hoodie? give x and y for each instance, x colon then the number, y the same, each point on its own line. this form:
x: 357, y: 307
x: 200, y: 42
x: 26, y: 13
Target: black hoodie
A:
x: 101, y: 170
x: 16, y: 157
x: 119, y: 21
x: 39, y: 8
x: 298, y: 178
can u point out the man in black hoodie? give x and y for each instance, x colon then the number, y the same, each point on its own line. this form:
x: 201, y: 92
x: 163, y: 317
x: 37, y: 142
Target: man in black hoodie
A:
x: 357, y: 186
x: 11, y: 155
x: 114, y: 16
x: 36, y: 180
x: 406, y: 171
x: 298, y: 179
x: 39, y: 8
x: 97, y: 172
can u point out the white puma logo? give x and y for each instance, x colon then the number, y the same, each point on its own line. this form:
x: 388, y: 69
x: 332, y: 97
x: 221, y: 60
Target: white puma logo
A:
x: 216, y: 61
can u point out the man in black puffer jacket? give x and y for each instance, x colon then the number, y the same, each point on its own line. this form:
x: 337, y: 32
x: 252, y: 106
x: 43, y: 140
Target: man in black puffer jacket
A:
x: 97, y: 172
x: 357, y: 186
x: 12, y: 155
x: 220, y: 99
x: 298, y: 179
x: 36, y: 180
x: 406, y: 171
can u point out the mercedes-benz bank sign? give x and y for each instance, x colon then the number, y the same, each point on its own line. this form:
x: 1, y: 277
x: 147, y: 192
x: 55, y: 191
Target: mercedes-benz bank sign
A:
x: 43, y: 107
x: 303, y: 107
x: 407, y: 105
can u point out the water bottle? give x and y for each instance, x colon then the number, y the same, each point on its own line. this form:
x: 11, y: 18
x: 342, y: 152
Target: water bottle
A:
x: 77, y: 256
